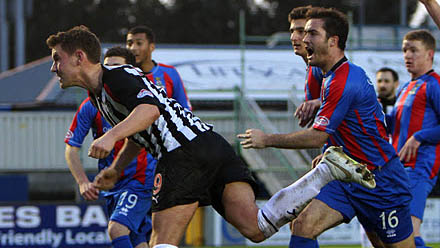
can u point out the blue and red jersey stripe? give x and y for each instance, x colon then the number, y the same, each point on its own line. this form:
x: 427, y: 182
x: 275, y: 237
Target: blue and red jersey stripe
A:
x: 417, y: 114
x: 351, y: 114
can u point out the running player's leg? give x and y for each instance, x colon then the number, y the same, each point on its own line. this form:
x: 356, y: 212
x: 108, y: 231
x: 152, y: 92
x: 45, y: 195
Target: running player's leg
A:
x: 420, y: 187
x: 129, y: 207
x: 183, y: 178
x: 384, y: 211
x: 241, y: 211
x: 119, y: 234
x: 286, y: 204
x: 169, y: 225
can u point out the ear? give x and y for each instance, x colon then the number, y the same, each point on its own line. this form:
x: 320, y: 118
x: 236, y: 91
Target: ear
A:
x: 80, y: 56
x: 431, y: 54
x: 152, y: 47
x: 334, y: 41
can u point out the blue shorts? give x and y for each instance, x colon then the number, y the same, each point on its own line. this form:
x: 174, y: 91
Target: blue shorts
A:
x: 420, y: 187
x: 384, y: 209
x: 131, y: 207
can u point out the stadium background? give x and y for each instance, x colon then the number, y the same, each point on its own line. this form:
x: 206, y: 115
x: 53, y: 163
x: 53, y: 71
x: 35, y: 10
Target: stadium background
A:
x: 239, y: 70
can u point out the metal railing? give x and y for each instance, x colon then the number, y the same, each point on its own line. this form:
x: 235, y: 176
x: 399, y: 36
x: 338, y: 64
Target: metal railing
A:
x: 34, y: 141
x: 276, y: 168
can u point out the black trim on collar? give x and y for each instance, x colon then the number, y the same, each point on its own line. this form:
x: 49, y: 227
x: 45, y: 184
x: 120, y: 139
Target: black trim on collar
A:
x: 428, y: 72
x: 340, y: 62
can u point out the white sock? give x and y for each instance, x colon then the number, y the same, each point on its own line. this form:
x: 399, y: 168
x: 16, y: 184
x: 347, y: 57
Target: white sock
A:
x: 287, y: 203
x: 165, y: 246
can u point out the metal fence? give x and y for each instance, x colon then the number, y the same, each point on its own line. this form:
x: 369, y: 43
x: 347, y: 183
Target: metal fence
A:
x: 34, y: 141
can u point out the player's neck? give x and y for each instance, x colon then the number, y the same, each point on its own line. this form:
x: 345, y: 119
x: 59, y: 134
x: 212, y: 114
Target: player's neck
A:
x: 147, y: 65
x: 333, y: 59
x: 420, y: 72
x: 93, y: 78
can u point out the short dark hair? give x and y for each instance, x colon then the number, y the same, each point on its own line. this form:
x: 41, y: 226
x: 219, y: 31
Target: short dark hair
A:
x: 298, y: 13
x: 393, y: 72
x: 422, y: 35
x: 78, y: 37
x: 335, y: 23
x: 151, y: 37
x: 121, y: 52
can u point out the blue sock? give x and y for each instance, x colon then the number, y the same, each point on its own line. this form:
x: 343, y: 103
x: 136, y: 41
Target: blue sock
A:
x: 419, y: 242
x: 122, y: 242
x: 300, y: 242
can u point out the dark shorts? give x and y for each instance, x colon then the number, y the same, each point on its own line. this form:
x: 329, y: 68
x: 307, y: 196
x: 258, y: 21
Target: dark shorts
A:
x: 198, y: 171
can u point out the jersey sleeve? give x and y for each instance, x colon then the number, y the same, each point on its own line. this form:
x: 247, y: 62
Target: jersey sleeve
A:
x: 336, y: 101
x: 81, y: 124
x: 179, y: 92
x: 128, y: 87
x: 431, y: 135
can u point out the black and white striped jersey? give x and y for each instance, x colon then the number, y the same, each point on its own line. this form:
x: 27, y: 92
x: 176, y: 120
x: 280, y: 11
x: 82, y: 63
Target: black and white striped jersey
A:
x: 124, y: 88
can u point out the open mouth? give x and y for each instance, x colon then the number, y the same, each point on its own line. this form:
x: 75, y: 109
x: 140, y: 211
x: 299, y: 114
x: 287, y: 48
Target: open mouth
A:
x: 309, y: 52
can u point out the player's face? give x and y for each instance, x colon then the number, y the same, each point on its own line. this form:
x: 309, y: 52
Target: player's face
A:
x: 297, y: 35
x: 65, y: 66
x: 385, y: 84
x: 114, y: 60
x: 140, y: 47
x: 316, y: 43
x: 418, y: 59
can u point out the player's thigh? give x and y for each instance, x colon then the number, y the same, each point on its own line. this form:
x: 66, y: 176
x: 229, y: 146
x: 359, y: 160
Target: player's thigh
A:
x: 170, y: 224
x: 234, y: 184
x: 315, y: 219
x: 330, y: 207
x: 239, y: 205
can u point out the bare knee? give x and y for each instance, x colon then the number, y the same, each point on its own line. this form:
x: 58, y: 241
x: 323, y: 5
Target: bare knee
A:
x: 305, y: 226
x: 116, y: 230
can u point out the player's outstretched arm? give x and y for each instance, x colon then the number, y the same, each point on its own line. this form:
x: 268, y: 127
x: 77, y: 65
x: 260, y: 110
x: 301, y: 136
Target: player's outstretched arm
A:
x: 86, y: 188
x: 138, y: 120
x: 433, y: 9
x: 310, y: 138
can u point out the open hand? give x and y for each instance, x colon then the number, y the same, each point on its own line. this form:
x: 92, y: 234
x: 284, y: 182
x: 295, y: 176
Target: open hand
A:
x: 253, y: 138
